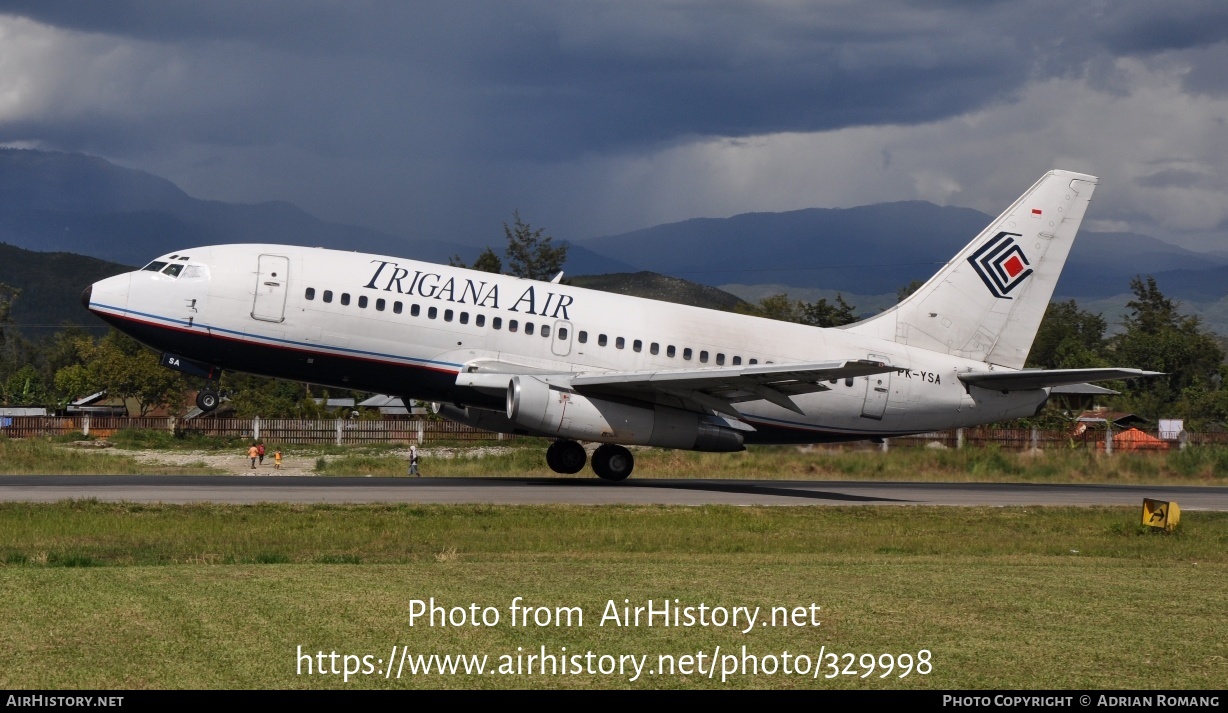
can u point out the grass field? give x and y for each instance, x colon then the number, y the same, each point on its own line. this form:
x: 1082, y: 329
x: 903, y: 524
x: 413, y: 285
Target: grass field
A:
x: 1205, y: 465
x: 102, y: 595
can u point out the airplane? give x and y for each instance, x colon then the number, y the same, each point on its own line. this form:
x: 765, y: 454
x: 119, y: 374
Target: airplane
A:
x: 527, y: 357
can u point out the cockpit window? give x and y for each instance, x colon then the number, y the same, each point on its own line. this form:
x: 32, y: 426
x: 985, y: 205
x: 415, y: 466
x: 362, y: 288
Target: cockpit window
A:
x: 154, y: 266
x: 195, y: 271
x: 173, y: 270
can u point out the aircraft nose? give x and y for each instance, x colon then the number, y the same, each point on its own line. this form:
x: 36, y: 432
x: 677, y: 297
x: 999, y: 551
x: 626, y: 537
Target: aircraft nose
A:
x: 85, y: 296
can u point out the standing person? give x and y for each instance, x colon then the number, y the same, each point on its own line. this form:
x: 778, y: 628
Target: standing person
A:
x: 253, y: 453
x: 413, y: 461
x: 260, y: 452
x: 277, y: 459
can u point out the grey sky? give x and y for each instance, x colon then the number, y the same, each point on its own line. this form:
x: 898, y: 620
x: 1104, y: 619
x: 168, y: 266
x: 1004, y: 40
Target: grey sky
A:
x: 437, y: 119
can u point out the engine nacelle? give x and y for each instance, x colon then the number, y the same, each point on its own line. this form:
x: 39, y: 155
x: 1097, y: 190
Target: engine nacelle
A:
x: 555, y: 411
x: 493, y: 421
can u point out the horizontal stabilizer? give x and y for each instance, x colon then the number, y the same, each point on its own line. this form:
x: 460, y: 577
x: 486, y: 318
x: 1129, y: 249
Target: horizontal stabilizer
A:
x: 1029, y: 379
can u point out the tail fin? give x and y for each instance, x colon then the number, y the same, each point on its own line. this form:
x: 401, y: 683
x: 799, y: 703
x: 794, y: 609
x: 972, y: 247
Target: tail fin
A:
x: 986, y: 303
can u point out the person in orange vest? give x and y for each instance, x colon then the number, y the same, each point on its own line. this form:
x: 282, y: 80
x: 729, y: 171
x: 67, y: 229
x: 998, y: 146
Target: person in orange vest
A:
x: 277, y: 459
x: 253, y: 453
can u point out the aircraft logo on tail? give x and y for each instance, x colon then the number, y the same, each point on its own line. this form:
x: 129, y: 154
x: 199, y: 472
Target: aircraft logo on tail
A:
x: 1001, y: 264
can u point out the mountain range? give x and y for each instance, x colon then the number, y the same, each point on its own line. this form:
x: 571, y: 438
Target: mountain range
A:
x: 74, y: 203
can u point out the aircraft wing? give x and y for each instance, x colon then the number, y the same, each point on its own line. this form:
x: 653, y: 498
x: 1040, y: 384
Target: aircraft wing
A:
x: 718, y: 388
x: 1028, y: 379
x: 715, y: 389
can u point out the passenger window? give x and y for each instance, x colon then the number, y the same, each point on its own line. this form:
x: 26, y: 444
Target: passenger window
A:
x: 397, y: 307
x: 686, y: 353
x: 737, y: 360
x: 362, y: 302
x: 754, y: 361
x: 432, y: 313
x: 563, y: 333
x: 345, y: 299
x: 528, y: 327
x: 380, y: 304
x: 720, y: 359
x: 311, y: 293
x: 637, y: 345
x: 415, y: 310
x: 601, y: 340
x: 654, y: 348
x: 328, y: 295
x: 545, y: 330
x: 512, y: 325
x: 447, y: 315
x: 582, y: 337
x: 620, y: 343
x: 480, y: 320
x: 703, y: 357
x: 173, y: 270
x: 497, y: 322
x: 670, y: 351
x: 464, y: 318
x: 848, y: 381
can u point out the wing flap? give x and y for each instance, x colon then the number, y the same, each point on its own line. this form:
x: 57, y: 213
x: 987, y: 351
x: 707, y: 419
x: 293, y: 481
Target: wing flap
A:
x: 718, y: 388
x: 1029, y: 379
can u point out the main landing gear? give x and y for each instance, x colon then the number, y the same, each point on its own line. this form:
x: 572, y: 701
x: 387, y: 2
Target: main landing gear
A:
x: 566, y: 457
x: 610, y: 462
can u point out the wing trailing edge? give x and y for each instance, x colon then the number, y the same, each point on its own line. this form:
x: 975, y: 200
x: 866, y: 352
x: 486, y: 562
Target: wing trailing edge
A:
x: 1029, y: 379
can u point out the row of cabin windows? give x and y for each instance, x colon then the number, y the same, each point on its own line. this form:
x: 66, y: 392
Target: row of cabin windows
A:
x: 479, y: 320
x: 655, y: 348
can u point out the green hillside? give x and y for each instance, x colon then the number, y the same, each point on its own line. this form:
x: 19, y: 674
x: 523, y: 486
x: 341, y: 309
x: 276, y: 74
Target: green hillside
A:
x: 51, y: 285
x: 660, y: 287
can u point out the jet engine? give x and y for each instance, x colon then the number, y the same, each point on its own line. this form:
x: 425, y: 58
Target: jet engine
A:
x: 551, y: 410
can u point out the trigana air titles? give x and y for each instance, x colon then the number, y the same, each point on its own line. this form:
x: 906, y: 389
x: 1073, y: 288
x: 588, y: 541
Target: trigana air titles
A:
x: 577, y: 366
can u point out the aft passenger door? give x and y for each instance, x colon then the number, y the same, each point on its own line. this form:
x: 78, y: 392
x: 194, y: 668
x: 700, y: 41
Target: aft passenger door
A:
x: 878, y: 388
x: 272, y: 273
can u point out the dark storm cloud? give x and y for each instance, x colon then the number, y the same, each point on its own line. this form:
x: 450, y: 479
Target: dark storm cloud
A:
x: 385, y: 110
x: 551, y: 80
x: 1142, y: 27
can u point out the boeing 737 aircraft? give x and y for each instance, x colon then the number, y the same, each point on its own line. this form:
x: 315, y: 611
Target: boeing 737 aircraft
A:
x: 545, y: 359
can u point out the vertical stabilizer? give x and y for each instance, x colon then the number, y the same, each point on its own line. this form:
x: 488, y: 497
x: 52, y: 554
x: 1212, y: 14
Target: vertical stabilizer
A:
x: 987, y: 302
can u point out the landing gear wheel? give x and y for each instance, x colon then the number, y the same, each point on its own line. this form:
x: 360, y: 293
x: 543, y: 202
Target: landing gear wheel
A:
x: 613, y: 462
x: 206, y: 400
x: 566, y: 457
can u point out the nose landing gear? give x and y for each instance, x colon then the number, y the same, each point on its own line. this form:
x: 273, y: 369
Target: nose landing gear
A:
x: 207, y: 400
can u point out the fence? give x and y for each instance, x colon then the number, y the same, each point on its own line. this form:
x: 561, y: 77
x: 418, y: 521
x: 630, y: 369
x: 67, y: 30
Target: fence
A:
x: 1029, y: 438
x: 295, y: 431
x: 421, y: 430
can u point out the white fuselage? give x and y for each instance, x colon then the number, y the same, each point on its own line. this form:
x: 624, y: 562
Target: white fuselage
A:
x: 398, y: 326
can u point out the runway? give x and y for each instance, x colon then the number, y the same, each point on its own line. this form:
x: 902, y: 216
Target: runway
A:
x: 585, y: 491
